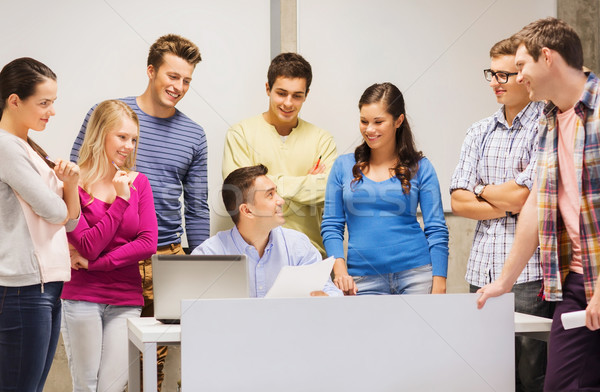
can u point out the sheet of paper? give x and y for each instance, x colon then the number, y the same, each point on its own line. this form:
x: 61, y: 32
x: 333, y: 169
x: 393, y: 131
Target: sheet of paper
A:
x: 300, y: 281
x: 573, y: 319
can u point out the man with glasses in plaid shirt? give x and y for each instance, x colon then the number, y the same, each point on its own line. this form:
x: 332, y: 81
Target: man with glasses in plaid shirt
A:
x: 490, y: 184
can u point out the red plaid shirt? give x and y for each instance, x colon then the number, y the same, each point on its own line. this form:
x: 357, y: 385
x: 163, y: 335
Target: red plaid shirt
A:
x: 555, y: 245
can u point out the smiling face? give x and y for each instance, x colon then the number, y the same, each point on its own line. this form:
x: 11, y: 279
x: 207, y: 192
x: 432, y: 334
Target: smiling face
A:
x: 511, y: 94
x: 171, y: 81
x: 285, y: 101
x: 37, y: 109
x: 378, y: 127
x: 120, y: 142
x: 534, y: 75
x: 265, y: 204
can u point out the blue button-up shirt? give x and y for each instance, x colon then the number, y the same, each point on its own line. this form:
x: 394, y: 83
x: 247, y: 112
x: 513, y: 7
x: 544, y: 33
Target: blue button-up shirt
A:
x: 285, y: 247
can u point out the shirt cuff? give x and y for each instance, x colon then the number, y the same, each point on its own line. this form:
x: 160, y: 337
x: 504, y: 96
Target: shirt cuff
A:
x: 524, y: 180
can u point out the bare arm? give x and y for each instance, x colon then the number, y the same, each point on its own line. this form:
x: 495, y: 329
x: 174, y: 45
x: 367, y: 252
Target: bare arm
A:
x: 464, y: 203
x: 508, y: 196
x: 341, y: 278
x: 439, y: 285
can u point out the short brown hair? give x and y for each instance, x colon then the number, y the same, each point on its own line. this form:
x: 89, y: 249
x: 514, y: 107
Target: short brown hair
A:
x: 553, y: 34
x: 289, y: 65
x: 174, y: 44
x: 236, y: 188
x: 506, y: 47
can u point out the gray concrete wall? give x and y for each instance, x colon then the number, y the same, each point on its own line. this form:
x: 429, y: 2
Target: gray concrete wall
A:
x: 584, y: 16
x: 289, y: 27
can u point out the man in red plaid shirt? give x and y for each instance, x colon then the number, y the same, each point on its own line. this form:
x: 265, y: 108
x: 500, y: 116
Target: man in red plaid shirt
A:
x: 562, y: 213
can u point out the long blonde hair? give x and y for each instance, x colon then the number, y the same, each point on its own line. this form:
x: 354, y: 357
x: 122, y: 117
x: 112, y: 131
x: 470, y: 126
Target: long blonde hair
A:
x: 107, y: 116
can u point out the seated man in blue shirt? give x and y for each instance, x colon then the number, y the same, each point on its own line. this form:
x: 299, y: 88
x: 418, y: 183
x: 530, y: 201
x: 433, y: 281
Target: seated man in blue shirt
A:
x: 251, y: 199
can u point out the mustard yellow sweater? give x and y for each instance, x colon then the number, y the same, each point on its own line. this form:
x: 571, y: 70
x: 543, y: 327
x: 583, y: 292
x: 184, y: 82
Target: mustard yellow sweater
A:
x: 255, y: 141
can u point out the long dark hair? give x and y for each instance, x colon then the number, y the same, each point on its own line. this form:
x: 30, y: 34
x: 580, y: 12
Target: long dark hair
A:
x: 408, y: 157
x: 21, y: 77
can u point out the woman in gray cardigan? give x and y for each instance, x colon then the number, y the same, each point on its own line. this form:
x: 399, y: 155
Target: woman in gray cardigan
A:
x: 38, y: 203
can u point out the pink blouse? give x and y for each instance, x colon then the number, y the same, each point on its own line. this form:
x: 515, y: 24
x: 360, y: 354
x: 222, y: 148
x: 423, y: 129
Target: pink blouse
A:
x: 114, y: 238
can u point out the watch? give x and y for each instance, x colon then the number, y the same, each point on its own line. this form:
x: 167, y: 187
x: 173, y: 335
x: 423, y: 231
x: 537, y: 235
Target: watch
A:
x: 478, y: 190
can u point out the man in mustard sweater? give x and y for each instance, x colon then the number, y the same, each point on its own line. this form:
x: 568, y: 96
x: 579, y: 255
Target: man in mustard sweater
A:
x: 298, y: 154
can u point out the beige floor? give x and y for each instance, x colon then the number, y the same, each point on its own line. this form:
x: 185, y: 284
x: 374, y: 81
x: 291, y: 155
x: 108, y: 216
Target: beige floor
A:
x: 59, y: 379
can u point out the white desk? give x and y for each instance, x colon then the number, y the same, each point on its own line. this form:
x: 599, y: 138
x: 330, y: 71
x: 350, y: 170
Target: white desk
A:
x: 144, y: 334
x: 532, y: 326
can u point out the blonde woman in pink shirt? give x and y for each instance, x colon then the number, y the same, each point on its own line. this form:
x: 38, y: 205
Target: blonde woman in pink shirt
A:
x: 38, y: 201
x: 117, y: 228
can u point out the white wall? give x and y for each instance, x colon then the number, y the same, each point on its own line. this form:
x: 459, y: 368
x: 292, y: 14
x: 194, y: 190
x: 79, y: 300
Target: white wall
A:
x: 98, y: 49
x: 434, y: 51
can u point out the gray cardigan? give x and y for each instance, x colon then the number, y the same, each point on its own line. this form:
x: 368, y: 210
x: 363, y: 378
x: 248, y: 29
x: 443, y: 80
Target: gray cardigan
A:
x: 19, y: 265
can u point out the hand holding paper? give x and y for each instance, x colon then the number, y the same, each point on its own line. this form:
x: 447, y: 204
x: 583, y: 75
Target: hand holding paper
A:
x: 573, y: 319
x: 300, y: 281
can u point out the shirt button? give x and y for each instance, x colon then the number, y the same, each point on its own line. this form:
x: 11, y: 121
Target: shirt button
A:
x: 260, y: 287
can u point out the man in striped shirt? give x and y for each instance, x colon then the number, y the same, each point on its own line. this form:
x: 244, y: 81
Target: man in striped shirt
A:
x: 565, y: 199
x: 490, y: 184
x: 173, y: 155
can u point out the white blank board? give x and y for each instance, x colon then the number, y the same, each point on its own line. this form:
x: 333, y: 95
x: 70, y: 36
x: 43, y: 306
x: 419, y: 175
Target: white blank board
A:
x: 368, y: 343
x: 434, y: 51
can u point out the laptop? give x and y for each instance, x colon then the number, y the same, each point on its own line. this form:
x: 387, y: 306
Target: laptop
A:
x: 178, y: 277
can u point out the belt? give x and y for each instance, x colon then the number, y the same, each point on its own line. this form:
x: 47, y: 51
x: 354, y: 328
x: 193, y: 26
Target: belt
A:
x: 169, y: 247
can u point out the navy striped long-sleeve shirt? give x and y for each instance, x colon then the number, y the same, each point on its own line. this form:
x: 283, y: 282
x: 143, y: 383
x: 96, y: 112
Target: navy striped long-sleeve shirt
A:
x: 173, y: 154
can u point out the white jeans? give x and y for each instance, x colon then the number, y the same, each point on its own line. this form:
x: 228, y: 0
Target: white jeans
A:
x: 95, y: 337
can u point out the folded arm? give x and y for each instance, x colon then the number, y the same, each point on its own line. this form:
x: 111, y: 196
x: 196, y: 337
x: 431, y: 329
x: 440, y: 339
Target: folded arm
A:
x: 90, y: 241
x: 142, y: 246
x: 308, y: 189
x: 525, y: 243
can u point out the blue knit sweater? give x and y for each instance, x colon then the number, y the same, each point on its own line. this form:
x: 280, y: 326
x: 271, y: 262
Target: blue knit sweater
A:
x: 384, y: 234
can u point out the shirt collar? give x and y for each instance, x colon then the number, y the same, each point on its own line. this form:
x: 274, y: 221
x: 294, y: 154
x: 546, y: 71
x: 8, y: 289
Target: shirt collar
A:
x: 589, y: 98
x: 243, y: 246
x: 526, y: 112
x: 590, y: 92
x: 500, y: 118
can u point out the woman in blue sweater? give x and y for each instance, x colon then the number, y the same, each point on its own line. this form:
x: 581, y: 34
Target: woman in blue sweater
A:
x: 375, y: 192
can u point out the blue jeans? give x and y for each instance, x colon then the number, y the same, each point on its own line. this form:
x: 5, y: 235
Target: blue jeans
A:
x: 413, y: 281
x: 530, y: 354
x: 95, y: 337
x: 29, y: 330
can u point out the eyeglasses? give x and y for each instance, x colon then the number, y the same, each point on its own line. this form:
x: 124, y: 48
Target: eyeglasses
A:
x: 501, y: 76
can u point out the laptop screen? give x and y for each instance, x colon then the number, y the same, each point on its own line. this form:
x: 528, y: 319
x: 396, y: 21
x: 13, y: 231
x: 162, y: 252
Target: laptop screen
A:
x: 178, y: 277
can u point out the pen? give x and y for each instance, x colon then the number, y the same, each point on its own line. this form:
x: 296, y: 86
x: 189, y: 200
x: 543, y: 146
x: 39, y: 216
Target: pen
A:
x: 318, y: 161
x: 118, y: 169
